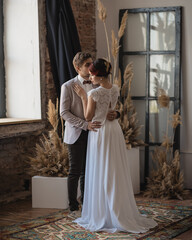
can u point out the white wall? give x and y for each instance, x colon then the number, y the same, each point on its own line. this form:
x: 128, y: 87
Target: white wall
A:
x: 112, y: 22
x: 21, y: 44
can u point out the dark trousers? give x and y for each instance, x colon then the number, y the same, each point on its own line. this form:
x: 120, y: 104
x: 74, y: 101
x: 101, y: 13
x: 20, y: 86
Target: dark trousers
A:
x: 77, y: 160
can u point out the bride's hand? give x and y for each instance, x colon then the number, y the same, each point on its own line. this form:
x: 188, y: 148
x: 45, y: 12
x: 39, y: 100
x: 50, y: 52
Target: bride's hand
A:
x: 80, y: 91
x: 112, y: 115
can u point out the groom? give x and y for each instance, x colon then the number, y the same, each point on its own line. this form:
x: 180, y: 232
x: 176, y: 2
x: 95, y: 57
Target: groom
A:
x: 76, y: 127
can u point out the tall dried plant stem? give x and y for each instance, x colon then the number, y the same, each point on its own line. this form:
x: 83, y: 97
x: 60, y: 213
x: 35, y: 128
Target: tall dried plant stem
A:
x: 107, y: 39
x: 129, y: 89
x: 115, y: 61
x: 122, y: 28
x: 114, y: 51
x: 108, y: 48
x: 102, y: 13
x: 115, y: 66
x: 172, y: 142
x: 120, y: 34
x: 167, y: 124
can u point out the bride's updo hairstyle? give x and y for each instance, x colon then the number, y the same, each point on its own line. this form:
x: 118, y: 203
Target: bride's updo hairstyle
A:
x: 100, y: 68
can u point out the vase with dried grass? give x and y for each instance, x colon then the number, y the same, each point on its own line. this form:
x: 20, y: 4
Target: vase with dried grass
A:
x: 51, y: 155
x: 49, y: 167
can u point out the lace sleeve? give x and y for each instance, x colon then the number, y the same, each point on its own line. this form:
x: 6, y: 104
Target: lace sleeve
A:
x: 94, y: 94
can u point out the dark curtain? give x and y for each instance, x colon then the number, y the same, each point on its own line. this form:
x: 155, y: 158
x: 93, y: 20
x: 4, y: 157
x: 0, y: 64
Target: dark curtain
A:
x: 63, y: 40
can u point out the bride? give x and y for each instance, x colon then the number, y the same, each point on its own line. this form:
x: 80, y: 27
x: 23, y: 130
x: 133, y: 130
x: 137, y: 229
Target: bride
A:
x: 109, y: 204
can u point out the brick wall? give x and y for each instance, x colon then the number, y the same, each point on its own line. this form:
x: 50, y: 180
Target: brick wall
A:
x: 14, y: 181
x: 84, y: 13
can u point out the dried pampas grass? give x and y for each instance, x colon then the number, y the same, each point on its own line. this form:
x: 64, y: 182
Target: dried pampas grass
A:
x: 118, y: 80
x: 123, y: 25
x: 52, y: 114
x: 166, y: 179
x: 51, y: 155
x: 128, y: 77
x: 163, y: 99
x: 128, y: 120
x: 114, y: 45
x: 102, y: 13
x: 176, y: 120
x: 115, y: 41
x: 166, y: 143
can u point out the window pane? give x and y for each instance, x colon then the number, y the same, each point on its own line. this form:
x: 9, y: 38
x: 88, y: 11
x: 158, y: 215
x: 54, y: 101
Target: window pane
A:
x: 139, y: 78
x: 162, y: 69
x: 142, y: 164
x: 140, y: 109
x: 152, y: 164
x: 158, y: 119
x: 23, y: 99
x: 162, y: 31
x: 135, y: 30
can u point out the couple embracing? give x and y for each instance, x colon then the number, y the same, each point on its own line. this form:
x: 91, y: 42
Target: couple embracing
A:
x: 97, y: 151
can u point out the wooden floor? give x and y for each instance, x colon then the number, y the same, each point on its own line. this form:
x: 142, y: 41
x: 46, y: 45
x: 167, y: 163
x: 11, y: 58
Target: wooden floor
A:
x: 20, y: 211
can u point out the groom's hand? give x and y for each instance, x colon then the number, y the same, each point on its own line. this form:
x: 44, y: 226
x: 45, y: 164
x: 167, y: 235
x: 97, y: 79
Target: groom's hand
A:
x: 92, y: 126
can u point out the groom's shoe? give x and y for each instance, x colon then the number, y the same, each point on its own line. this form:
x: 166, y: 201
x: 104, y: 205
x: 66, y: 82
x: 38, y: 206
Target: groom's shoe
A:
x: 75, y: 214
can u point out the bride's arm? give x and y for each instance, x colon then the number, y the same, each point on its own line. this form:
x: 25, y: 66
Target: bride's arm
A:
x: 88, y: 104
x: 89, y: 108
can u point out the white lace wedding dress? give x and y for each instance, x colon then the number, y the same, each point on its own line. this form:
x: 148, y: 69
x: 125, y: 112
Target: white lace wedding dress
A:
x: 109, y: 203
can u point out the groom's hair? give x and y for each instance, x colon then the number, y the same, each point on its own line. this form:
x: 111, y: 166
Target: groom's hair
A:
x: 80, y: 58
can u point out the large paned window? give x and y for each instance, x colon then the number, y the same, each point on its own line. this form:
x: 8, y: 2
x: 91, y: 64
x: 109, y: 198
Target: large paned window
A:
x: 19, y: 58
x: 152, y: 41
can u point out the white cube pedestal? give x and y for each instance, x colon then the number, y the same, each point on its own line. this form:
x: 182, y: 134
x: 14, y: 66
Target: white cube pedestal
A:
x: 49, y: 192
x: 134, y: 164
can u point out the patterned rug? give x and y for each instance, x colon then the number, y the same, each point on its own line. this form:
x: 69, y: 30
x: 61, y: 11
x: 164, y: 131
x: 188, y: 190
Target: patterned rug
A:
x: 172, y: 220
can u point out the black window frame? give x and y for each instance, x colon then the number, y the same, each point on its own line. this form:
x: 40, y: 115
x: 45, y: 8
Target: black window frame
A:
x: 177, y: 87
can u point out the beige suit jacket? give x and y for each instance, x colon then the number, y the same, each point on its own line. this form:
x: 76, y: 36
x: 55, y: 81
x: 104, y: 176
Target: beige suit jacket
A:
x: 71, y: 110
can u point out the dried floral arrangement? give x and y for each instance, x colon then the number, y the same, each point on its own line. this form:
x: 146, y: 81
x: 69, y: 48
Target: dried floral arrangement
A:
x: 128, y: 119
x: 166, y: 180
x: 51, y: 157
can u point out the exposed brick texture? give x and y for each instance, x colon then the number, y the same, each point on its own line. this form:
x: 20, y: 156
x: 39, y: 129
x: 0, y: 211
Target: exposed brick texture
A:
x: 84, y: 13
